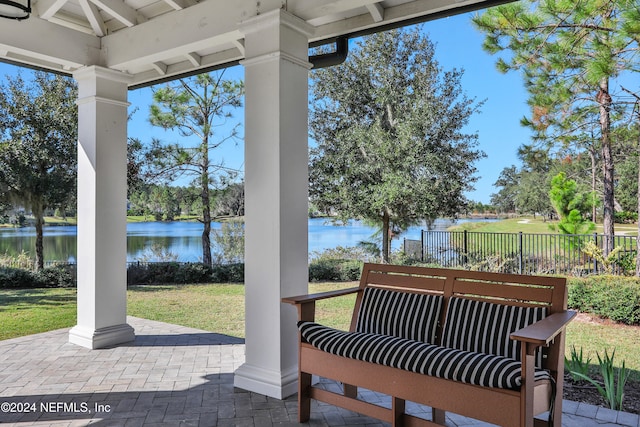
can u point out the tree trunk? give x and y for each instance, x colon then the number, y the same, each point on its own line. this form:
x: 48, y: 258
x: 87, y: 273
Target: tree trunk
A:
x: 604, y: 99
x: 206, y: 206
x: 594, y: 210
x: 38, y: 214
x: 638, y: 236
x: 386, y: 237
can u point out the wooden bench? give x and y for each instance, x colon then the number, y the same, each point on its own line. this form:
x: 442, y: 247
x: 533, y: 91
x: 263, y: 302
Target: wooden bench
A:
x: 489, y: 346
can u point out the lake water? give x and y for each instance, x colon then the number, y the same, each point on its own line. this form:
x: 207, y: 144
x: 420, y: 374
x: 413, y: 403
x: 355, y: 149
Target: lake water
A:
x: 183, y: 238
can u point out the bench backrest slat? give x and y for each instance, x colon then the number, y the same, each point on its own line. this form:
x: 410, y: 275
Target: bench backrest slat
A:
x: 503, y: 292
x: 539, y: 292
x: 429, y: 284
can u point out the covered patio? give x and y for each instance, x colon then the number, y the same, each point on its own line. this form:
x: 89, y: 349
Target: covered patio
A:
x: 172, y: 376
x: 110, y: 47
x: 125, y: 371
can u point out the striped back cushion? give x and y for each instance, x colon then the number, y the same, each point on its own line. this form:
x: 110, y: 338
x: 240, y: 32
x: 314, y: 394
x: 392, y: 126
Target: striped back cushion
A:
x: 485, y: 327
x: 399, y: 314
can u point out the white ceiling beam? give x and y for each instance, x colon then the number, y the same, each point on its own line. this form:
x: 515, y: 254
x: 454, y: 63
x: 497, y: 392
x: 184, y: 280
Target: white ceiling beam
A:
x: 194, y: 58
x: 119, y: 11
x: 160, y: 67
x: 311, y: 9
x: 224, y: 57
x: 240, y: 45
x: 72, y: 22
x: 414, y: 9
x: 377, y: 12
x: 180, y: 4
x: 48, y: 43
x: 202, y: 26
x: 93, y: 16
x: 47, y: 8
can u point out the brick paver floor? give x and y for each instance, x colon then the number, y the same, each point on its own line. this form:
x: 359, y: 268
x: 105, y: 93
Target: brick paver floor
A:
x: 171, y: 376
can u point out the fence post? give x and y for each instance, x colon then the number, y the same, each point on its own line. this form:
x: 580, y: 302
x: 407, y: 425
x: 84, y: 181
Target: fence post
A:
x: 422, y: 251
x: 520, y: 253
x: 465, y: 249
x: 595, y: 260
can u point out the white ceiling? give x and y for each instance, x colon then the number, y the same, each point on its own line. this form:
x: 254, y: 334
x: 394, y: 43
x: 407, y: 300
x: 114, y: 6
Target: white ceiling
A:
x: 160, y: 39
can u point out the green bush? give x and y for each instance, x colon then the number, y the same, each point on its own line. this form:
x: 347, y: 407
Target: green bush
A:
x: 138, y: 274
x: 57, y: 276
x: 17, y: 278
x: 193, y: 272
x: 613, y: 297
x: 334, y: 270
x: 155, y: 273
x: 625, y: 217
x: 228, y: 273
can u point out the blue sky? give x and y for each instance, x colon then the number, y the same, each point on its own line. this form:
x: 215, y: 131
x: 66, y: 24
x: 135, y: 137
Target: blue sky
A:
x: 458, y: 45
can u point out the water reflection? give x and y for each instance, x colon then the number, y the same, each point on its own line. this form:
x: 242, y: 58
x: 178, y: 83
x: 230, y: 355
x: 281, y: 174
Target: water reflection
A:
x: 184, y: 238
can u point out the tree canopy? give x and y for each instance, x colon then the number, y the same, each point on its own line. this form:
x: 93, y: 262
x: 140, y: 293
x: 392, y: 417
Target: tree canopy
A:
x: 390, y: 144
x: 570, y: 54
x: 38, y: 134
x: 198, y: 106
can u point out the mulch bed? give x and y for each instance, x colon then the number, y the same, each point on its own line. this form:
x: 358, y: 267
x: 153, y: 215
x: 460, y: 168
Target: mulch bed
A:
x: 582, y: 391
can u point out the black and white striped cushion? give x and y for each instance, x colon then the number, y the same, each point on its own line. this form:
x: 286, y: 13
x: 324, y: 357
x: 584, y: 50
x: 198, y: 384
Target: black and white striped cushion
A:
x: 399, y: 314
x: 415, y: 356
x: 485, y: 327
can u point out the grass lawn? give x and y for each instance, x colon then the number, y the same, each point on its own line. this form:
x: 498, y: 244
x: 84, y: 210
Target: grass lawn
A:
x: 529, y: 224
x: 30, y: 311
x: 220, y: 308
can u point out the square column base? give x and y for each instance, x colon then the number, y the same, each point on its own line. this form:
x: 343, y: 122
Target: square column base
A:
x: 269, y: 383
x: 103, y: 337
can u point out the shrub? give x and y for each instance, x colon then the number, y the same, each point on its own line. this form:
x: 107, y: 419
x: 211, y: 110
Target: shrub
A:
x: 613, y: 297
x: 228, y: 242
x: 625, y: 217
x: 195, y: 272
x: 137, y: 274
x: 57, y: 276
x: 228, y: 273
x: 17, y: 278
x: 334, y: 270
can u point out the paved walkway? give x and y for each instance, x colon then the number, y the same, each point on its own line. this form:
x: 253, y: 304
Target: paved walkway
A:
x: 171, y: 376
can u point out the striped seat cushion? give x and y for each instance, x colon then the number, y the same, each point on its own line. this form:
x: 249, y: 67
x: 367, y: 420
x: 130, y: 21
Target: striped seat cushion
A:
x: 399, y: 314
x: 484, y: 327
x: 415, y: 356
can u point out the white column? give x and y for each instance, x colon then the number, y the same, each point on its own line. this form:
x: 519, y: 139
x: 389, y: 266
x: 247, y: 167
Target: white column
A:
x: 276, y: 191
x: 102, y: 209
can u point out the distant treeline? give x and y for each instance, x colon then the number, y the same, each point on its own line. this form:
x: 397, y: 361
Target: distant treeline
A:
x: 167, y: 203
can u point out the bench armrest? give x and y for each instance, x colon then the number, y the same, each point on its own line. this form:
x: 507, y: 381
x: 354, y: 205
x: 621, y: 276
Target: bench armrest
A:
x: 306, y: 304
x: 301, y: 299
x: 545, y: 330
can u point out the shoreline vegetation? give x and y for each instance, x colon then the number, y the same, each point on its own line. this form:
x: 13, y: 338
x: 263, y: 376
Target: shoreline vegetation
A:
x: 53, y: 221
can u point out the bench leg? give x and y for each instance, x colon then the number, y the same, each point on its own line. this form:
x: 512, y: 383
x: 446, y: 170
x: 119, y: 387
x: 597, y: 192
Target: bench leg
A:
x: 438, y: 416
x: 397, y: 409
x: 304, y: 399
x: 350, y: 390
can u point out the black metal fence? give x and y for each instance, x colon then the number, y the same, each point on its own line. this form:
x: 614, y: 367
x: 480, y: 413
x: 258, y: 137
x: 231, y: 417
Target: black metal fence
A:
x: 523, y: 253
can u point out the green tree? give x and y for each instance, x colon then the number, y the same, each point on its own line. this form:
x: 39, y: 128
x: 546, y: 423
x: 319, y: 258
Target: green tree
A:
x: 197, y: 106
x: 570, y: 53
x: 532, y: 192
x: 38, y: 134
x: 532, y: 196
x: 230, y: 201
x: 570, y: 205
x: 388, y: 124
x: 508, y: 183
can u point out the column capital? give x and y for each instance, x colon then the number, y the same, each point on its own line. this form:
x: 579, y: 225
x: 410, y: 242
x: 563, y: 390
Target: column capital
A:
x: 276, y: 35
x: 277, y: 17
x: 100, y: 83
x: 97, y: 72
